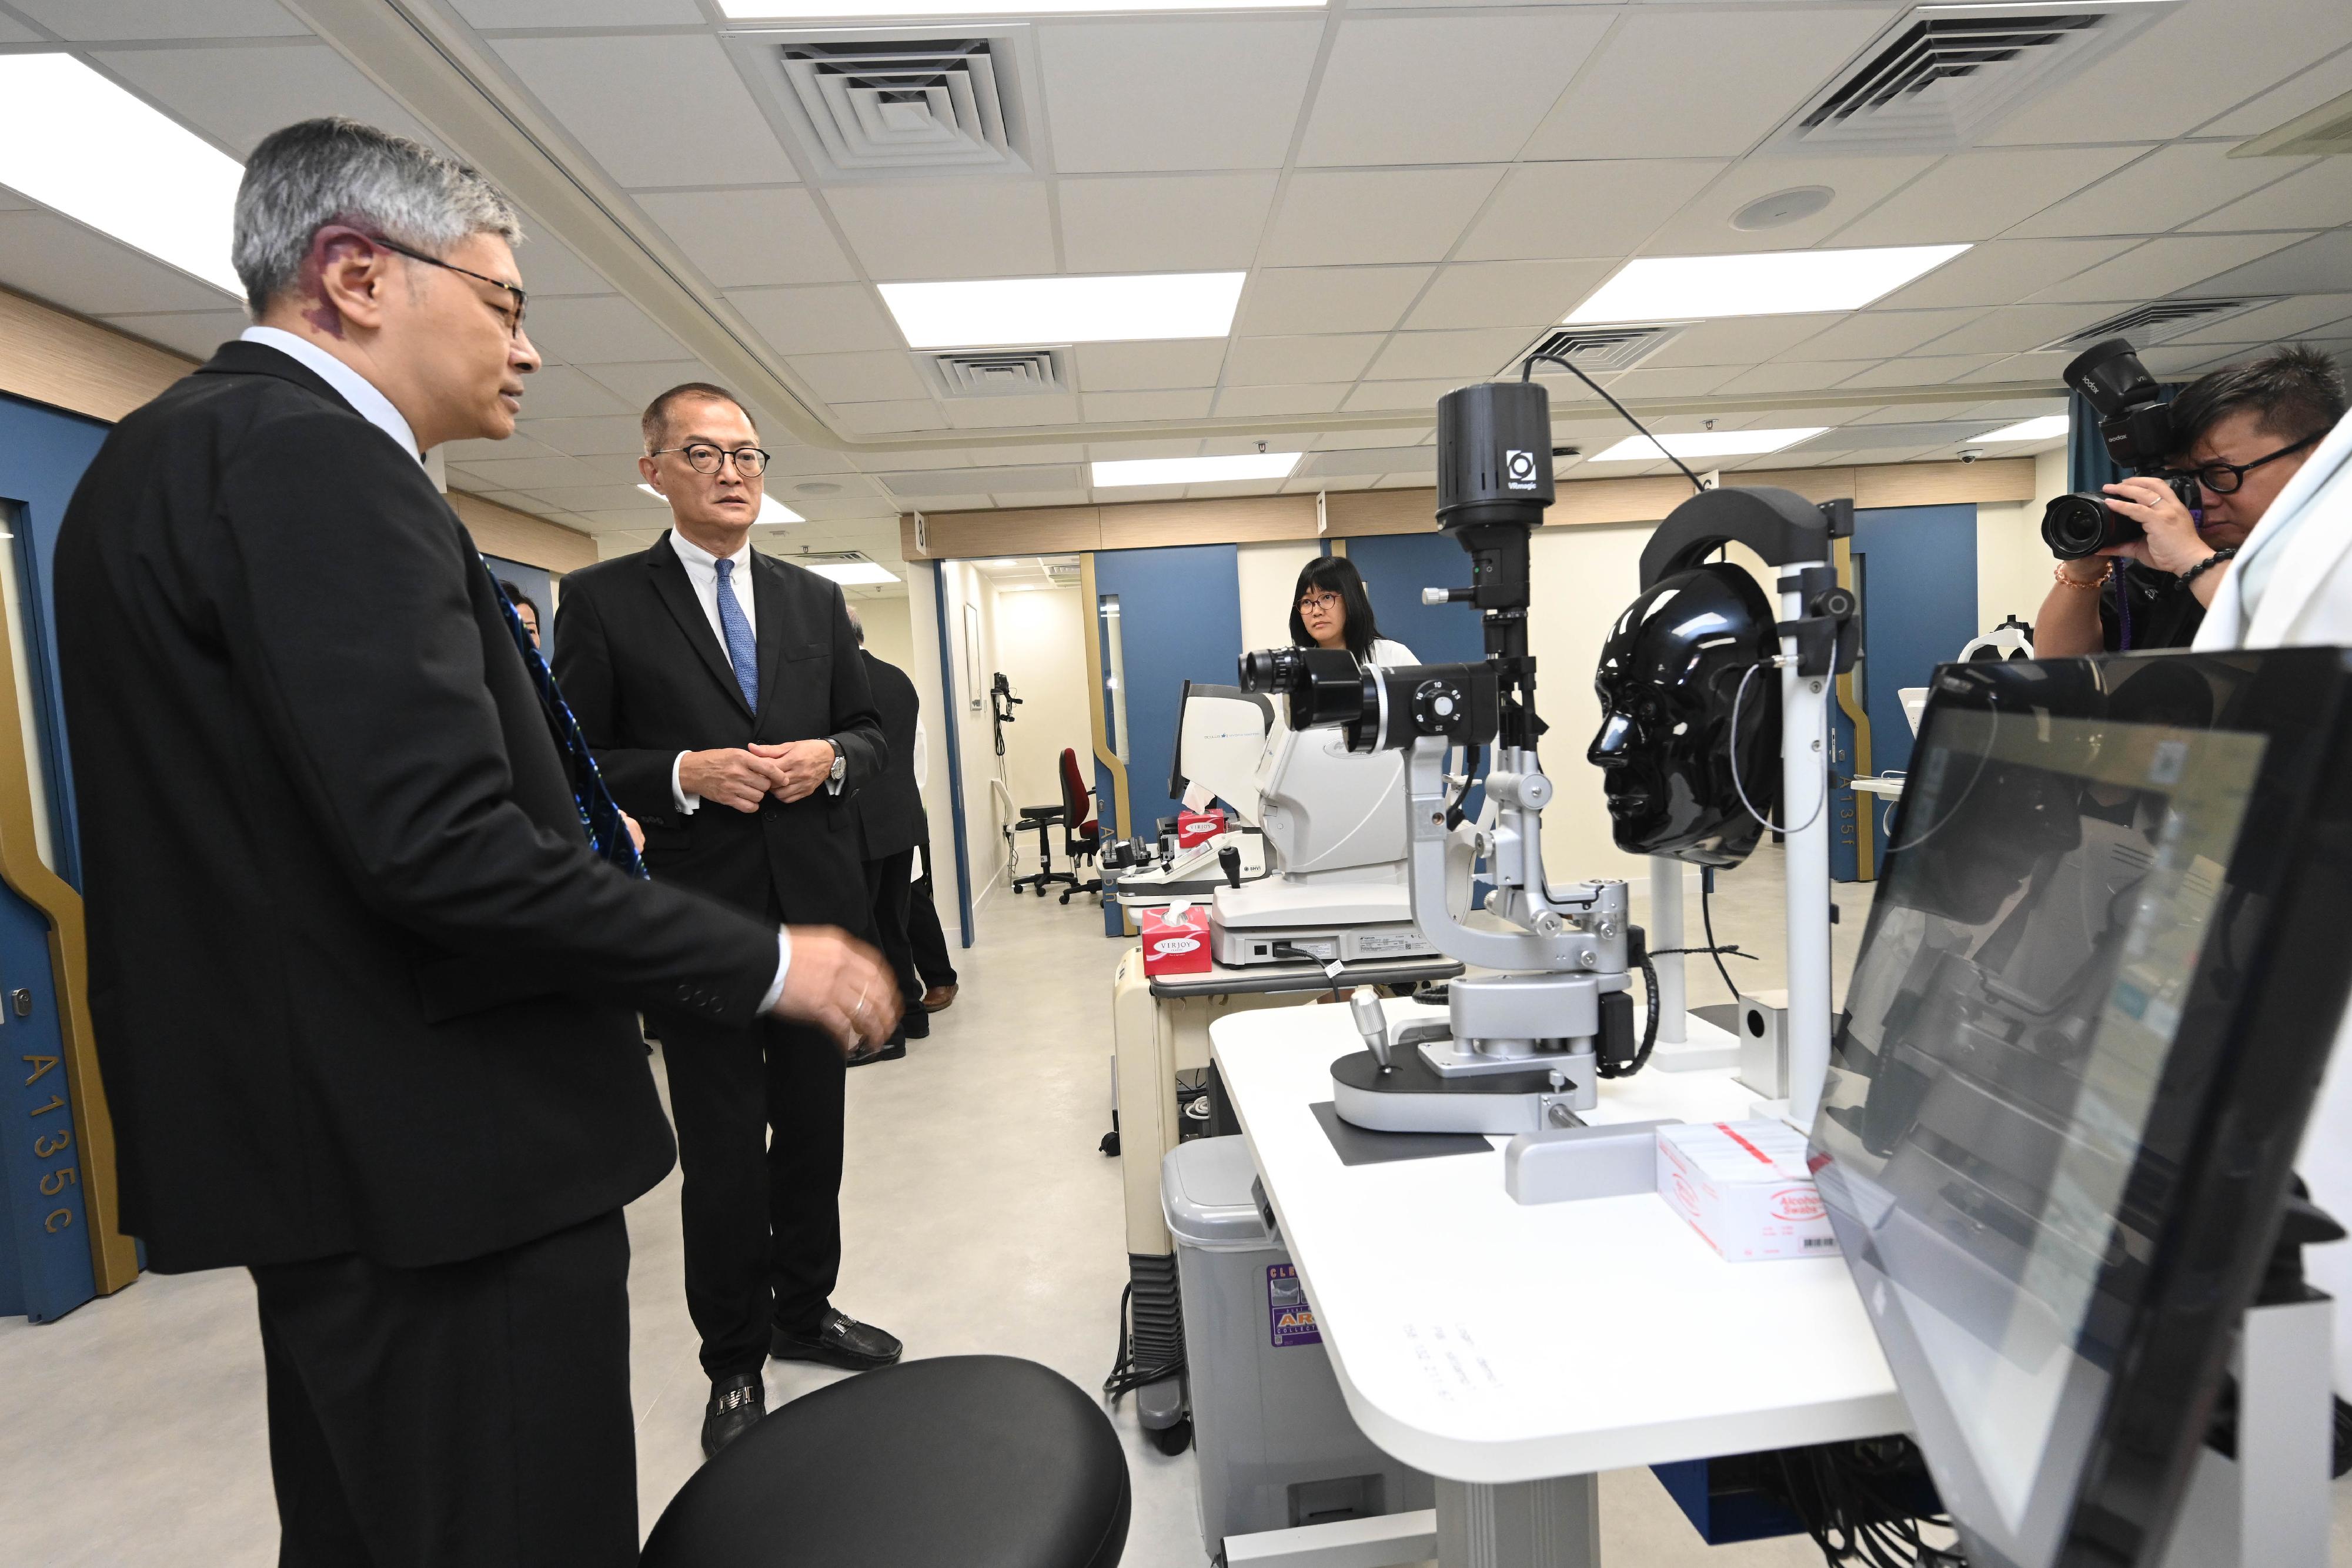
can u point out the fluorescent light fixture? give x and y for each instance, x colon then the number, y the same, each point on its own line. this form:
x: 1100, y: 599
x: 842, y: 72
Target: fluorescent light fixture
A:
x: 73, y: 140
x: 858, y: 10
x: 1705, y: 443
x: 2049, y: 427
x: 995, y: 565
x: 772, y: 512
x: 1194, y: 470
x: 1776, y: 283
x: 993, y: 313
x: 851, y: 573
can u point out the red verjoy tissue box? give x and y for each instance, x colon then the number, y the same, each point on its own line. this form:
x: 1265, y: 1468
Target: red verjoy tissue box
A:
x: 1175, y: 940
x: 1746, y: 1187
x: 1198, y: 827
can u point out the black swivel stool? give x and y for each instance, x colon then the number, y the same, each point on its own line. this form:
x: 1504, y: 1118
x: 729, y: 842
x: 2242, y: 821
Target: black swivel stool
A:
x: 966, y: 1461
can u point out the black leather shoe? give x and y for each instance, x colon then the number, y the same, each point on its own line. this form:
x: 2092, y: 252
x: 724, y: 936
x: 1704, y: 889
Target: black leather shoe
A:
x: 890, y: 1051
x: 838, y: 1340
x: 736, y: 1405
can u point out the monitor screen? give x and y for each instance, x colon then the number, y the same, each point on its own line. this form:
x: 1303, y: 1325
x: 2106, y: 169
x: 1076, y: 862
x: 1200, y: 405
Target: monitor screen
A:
x: 2030, y: 1064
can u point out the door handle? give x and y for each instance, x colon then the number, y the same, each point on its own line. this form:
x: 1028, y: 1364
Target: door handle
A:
x: 20, y: 1001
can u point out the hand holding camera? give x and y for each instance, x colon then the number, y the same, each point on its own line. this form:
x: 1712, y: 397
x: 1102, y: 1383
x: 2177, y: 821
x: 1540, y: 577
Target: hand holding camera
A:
x: 2169, y: 540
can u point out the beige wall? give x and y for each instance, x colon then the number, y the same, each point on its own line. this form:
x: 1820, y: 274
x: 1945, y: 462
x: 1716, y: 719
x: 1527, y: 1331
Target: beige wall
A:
x: 890, y: 630
x: 2012, y: 563
x: 1268, y: 572
x: 1039, y: 648
x: 1581, y: 580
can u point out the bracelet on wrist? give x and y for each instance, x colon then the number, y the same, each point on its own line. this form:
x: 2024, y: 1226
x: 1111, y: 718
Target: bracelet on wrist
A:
x: 2208, y: 564
x: 2093, y: 586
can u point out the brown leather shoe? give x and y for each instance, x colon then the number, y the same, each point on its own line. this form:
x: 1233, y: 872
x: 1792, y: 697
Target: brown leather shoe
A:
x: 936, y: 999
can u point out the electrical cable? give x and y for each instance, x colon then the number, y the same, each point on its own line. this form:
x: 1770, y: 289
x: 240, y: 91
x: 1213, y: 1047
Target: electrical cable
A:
x: 1332, y: 968
x: 1856, y: 1500
x: 1126, y: 1377
x: 1649, y: 1031
x: 1706, y: 924
x: 1731, y: 749
x: 1528, y: 370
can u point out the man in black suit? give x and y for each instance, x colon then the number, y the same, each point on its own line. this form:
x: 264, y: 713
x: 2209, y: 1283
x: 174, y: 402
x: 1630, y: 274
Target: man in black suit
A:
x: 889, y: 816
x: 723, y: 696
x: 366, y: 933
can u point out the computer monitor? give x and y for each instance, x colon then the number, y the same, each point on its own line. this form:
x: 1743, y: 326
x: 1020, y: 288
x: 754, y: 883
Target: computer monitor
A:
x: 2108, y: 955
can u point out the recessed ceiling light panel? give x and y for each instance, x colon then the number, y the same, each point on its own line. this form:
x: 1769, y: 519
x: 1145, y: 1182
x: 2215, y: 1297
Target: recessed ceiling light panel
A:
x: 1705, y: 443
x: 910, y: 10
x: 1775, y: 283
x: 852, y: 573
x: 73, y: 140
x: 2049, y: 427
x: 993, y: 313
x: 1194, y: 470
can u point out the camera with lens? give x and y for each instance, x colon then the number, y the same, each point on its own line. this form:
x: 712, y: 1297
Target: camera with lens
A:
x: 2136, y: 426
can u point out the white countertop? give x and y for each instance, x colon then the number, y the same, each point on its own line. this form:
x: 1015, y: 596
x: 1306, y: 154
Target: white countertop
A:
x: 1482, y: 1341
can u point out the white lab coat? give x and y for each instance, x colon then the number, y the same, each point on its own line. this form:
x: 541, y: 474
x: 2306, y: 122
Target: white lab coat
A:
x: 2305, y: 599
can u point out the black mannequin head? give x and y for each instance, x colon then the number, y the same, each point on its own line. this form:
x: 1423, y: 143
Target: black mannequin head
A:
x: 1668, y: 675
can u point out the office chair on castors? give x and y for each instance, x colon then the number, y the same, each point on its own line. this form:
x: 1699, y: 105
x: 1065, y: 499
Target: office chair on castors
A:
x: 1081, y: 835
x: 963, y: 1461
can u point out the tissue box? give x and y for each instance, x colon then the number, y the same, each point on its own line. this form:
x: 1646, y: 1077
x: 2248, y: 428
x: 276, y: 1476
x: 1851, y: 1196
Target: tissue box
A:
x: 1198, y: 828
x: 1746, y: 1187
x: 1175, y: 940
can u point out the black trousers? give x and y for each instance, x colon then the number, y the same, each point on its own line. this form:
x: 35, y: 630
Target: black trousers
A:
x: 930, y: 942
x: 758, y: 1113
x: 891, y: 896
x: 471, y: 1415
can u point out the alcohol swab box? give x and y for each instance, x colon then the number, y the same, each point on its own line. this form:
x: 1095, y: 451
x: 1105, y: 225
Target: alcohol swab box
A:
x: 1746, y: 1187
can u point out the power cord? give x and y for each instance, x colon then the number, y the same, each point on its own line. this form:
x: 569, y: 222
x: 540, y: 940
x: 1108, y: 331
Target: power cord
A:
x: 1857, y: 1501
x: 1528, y: 370
x: 1126, y: 1377
x: 1731, y: 749
x: 1649, y: 1030
x: 1332, y: 968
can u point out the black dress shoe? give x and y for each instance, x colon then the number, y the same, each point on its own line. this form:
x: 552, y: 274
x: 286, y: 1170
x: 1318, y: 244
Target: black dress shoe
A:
x: 736, y: 1405
x: 891, y: 1050
x: 838, y: 1340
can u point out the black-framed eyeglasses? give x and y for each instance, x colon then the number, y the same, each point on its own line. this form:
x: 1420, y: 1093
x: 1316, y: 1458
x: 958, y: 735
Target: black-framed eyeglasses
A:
x: 521, y: 300
x: 1320, y: 599
x: 2225, y: 478
x: 704, y: 458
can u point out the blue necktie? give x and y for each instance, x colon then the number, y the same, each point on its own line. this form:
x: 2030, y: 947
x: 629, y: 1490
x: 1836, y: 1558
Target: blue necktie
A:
x: 600, y: 814
x: 742, y: 648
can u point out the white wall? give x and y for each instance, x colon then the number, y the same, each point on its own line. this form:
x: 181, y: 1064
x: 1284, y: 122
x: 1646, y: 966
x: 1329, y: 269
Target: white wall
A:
x: 1268, y: 572
x: 889, y: 629
x: 2012, y: 563
x: 1041, y: 648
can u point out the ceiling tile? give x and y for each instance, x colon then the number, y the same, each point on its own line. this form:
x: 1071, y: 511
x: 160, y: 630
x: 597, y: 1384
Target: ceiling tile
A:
x: 1768, y: 379
x: 1420, y: 396
x: 1169, y: 223
x: 1010, y: 413
x: 1526, y: 293
x: 922, y: 484
x: 1712, y: 69
x: 2005, y: 270
x: 2044, y: 368
x: 1704, y: 226
x: 598, y: 329
x: 2162, y: 191
x: 588, y: 437
x: 638, y: 383
x: 1742, y: 341
x: 2162, y: 267
x: 14, y: 32
x: 2318, y: 266
x: 1920, y: 370
x: 1261, y: 402
x: 541, y: 475
x: 1874, y: 334
x: 880, y: 418
x: 2276, y: 323
x: 2163, y: 82
x: 238, y: 96
x: 1327, y: 298
x: 604, y: 498
x: 1220, y: 94
x: 1348, y: 216
x: 559, y: 391
x: 2318, y: 197
x: 1976, y: 195
x: 96, y: 20
x: 2297, y: 96
x: 861, y: 378
x: 196, y: 333
x: 1149, y: 367
x: 1472, y: 354
x: 2016, y: 329
x: 1546, y: 211
x: 1633, y: 385
x: 738, y: 238
x: 1288, y: 362
x: 47, y: 257
x: 548, y: 269
x: 578, y: 13
x: 840, y: 319
x: 516, y: 445
x: 1465, y: 88
x: 642, y: 106
x: 1106, y: 407
x: 1386, y: 435
x: 970, y: 228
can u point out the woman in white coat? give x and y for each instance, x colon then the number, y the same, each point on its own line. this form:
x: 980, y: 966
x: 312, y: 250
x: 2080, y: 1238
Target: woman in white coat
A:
x: 1330, y: 610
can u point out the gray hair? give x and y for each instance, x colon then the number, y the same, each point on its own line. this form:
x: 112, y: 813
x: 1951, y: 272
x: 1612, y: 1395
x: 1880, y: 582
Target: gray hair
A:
x: 857, y: 624
x: 338, y: 170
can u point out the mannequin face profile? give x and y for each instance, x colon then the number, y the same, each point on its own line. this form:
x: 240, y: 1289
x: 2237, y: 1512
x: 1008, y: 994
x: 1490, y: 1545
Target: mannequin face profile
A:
x: 1669, y: 672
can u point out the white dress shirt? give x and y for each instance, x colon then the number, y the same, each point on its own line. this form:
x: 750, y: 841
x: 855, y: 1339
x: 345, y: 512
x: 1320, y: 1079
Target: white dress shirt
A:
x: 702, y: 573
x: 377, y: 410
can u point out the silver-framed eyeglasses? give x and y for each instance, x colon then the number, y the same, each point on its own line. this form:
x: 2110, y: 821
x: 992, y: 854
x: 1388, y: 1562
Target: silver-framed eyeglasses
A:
x: 704, y: 458
x: 521, y: 300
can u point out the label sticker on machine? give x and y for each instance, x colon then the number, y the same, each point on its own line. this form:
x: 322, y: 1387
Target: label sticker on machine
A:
x: 1290, y: 1319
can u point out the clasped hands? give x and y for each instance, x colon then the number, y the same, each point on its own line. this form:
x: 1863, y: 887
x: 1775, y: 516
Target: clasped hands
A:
x: 742, y: 777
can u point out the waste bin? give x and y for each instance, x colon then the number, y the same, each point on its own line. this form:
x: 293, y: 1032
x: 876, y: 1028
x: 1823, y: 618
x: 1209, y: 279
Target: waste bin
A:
x: 1278, y: 1448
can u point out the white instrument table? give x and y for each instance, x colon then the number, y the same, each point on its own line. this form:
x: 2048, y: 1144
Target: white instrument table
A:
x: 1521, y: 1350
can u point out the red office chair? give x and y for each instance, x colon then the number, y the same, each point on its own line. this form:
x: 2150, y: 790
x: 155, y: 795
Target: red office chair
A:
x: 1081, y: 835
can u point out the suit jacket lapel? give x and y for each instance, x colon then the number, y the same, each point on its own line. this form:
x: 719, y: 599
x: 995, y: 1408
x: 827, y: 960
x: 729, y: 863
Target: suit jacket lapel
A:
x: 675, y: 591
x: 768, y: 596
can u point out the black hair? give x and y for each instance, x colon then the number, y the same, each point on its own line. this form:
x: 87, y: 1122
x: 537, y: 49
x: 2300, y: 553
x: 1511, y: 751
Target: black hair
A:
x: 519, y: 596
x: 2295, y: 393
x: 654, y: 425
x: 1335, y: 574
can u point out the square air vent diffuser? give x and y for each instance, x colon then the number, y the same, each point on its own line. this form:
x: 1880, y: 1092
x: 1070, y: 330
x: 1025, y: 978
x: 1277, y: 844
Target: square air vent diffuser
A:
x: 997, y: 372
x: 868, y: 107
x: 2158, y: 321
x: 1593, y: 349
x: 1942, y: 74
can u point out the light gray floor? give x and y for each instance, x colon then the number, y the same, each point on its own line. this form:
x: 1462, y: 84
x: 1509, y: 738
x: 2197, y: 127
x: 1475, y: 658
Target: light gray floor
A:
x: 978, y: 1217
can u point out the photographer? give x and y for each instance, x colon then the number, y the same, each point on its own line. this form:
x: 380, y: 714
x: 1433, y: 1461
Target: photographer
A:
x: 2242, y: 432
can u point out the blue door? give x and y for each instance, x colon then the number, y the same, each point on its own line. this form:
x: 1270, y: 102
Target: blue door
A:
x: 1396, y: 567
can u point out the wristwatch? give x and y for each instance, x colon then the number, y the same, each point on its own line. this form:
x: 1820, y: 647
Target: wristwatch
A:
x: 840, y: 762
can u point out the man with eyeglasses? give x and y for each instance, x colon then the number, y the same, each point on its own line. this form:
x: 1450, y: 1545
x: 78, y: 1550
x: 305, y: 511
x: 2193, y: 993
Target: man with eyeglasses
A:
x: 2246, y: 430
x: 722, y: 693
